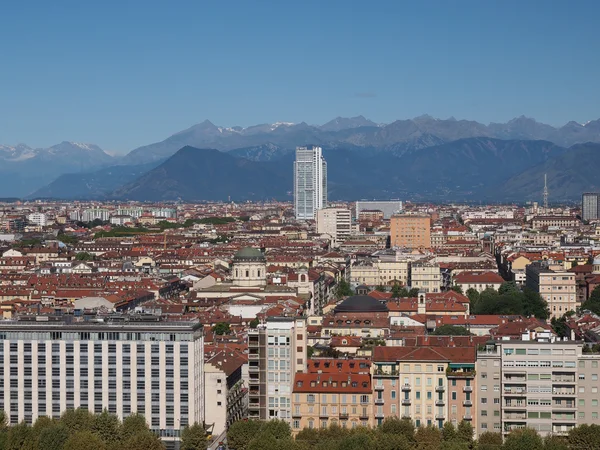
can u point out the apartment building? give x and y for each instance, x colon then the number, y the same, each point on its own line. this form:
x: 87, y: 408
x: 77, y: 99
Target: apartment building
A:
x: 388, y: 208
x: 125, y: 364
x: 426, y: 276
x: 590, y: 206
x: 480, y: 281
x: 429, y: 385
x: 548, y: 386
x: 380, y: 272
x: 334, y: 222
x: 276, y: 351
x: 558, y: 288
x: 410, y: 231
x: 325, y: 399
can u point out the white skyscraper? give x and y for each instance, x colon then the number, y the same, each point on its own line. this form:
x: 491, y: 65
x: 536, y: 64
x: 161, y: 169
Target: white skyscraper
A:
x: 310, y: 182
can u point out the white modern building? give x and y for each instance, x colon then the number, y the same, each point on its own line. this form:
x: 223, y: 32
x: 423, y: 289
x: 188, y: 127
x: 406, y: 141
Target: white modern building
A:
x: 335, y: 222
x: 277, y: 350
x: 310, y: 182
x: 39, y: 219
x: 125, y: 364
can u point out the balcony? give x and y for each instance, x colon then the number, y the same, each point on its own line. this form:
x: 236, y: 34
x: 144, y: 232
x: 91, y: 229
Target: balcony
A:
x: 252, y: 404
x: 379, y: 401
x: 406, y: 387
x: 253, y: 368
x: 378, y: 387
x: 564, y: 406
x: 516, y: 405
x: 252, y: 356
x: 406, y: 401
x: 440, y: 402
x: 343, y: 416
x: 519, y: 392
x: 514, y: 416
x: 464, y: 372
x: 386, y: 373
x: 467, y: 403
x: 324, y: 415
x: 440, y: 389
x: 379, y: 415
x: 440, y: 416
x: 467, y: 417
x: 467, y: 388
x: 563, y: 392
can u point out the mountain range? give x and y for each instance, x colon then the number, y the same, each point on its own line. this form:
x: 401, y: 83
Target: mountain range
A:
x: 421, y: 158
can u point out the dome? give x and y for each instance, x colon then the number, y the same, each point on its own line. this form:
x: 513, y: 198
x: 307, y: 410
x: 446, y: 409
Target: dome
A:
x: 360, y: 303
x: 249, y: 254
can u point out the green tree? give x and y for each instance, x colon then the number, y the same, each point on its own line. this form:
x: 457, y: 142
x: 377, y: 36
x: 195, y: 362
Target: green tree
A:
x: 553, y: 442
x: 145, y: 440
x: 428, y: 438
x: 457, y: 288
x: 523, y: 439
x: 84, y: 256
x: 343, y: 289
x: 454, y: 445
x: 574, y: 264
x: 489, y: 441
x: 194, y: 438
x: 133, y: 424
x: 84, y: 440
x: 560, y: 327
x: 222, y: 328
x: 17, y: 436
x: 396, y: 291
x: 509, y: 287
x: 240, y: 433
x: 451, y: 330
x: 53, y: 438
x: 464, y: 432
x: 388, y: 441
x: 535, y: 305
x: 449, y: 432
x: 107, y: 427
x: 358, y: 440
x: 584, y: 437
x: 309, y: 435
x: 279, y: 429
x: 473, y: 295
x: 381, y: 288
x: 404, y: 427
x: 254, y: 323
x: 593, y: 302
x: 79, y: 419
x: 413, y: 293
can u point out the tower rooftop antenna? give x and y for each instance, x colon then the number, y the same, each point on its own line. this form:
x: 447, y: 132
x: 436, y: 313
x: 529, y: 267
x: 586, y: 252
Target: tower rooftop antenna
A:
x: 545, y: 193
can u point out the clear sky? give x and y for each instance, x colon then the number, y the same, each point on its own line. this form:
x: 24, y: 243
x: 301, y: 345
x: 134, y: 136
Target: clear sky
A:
x: 127, y: 73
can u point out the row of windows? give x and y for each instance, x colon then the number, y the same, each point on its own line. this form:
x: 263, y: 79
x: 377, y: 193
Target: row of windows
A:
x: 93, y: 336
x: 98, y: 348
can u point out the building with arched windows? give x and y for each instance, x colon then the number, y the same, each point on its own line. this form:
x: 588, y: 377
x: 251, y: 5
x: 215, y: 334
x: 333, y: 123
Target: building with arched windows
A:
x: 249, y: 268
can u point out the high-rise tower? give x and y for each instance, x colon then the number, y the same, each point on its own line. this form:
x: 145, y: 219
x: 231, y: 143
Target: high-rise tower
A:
x: 545, y: 195
x: 310, y: 182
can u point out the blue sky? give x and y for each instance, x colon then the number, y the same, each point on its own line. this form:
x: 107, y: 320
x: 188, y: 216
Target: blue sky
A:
x: 125, y: 73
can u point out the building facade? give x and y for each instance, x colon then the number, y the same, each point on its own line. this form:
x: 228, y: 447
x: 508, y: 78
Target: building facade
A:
x: 310, y: 182
x: 558, y: 288
x: 426, y: 276
x: 388, y: 208
x: 550, y: 386
x: 276, y: 351
x: 335, y: 222
x: 410, y: 231
x: 590, y: 206
x: 144, y: 366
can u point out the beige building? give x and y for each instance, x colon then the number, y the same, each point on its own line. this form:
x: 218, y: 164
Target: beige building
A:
x: 410, y: 231
x: 426, y: 276
x: 558, y: 288
x: 380, y: 272
x: 335, y: 222
x: 430, y: 385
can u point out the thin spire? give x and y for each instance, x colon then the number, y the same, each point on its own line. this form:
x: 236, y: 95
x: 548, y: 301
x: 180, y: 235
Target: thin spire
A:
x: 545, y: 193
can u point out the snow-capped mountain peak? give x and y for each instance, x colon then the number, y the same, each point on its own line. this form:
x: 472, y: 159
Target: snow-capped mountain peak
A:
x: 281, y: 124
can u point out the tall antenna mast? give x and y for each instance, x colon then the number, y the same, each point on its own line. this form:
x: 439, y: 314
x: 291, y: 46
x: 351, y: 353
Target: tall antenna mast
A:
x: 545, y: 194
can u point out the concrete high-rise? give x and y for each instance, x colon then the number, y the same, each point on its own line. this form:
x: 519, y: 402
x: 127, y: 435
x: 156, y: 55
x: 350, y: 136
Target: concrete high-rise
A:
x: 410, y: 231
x: 590, y: 206
x: 335, y: 222
x: 310, y: 182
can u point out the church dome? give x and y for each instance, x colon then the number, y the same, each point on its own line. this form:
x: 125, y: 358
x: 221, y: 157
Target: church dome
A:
x: 249, y: 254
x: 360, y: 303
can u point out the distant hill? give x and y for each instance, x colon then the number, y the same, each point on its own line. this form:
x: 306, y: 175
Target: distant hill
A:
x: 92, y: 185
x: 464, y: 170
x: 569, y: 175
x: 206, y: 174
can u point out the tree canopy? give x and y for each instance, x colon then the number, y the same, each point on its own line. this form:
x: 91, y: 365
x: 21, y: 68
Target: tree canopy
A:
x: 509, y: 300
x: 451, y: 330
